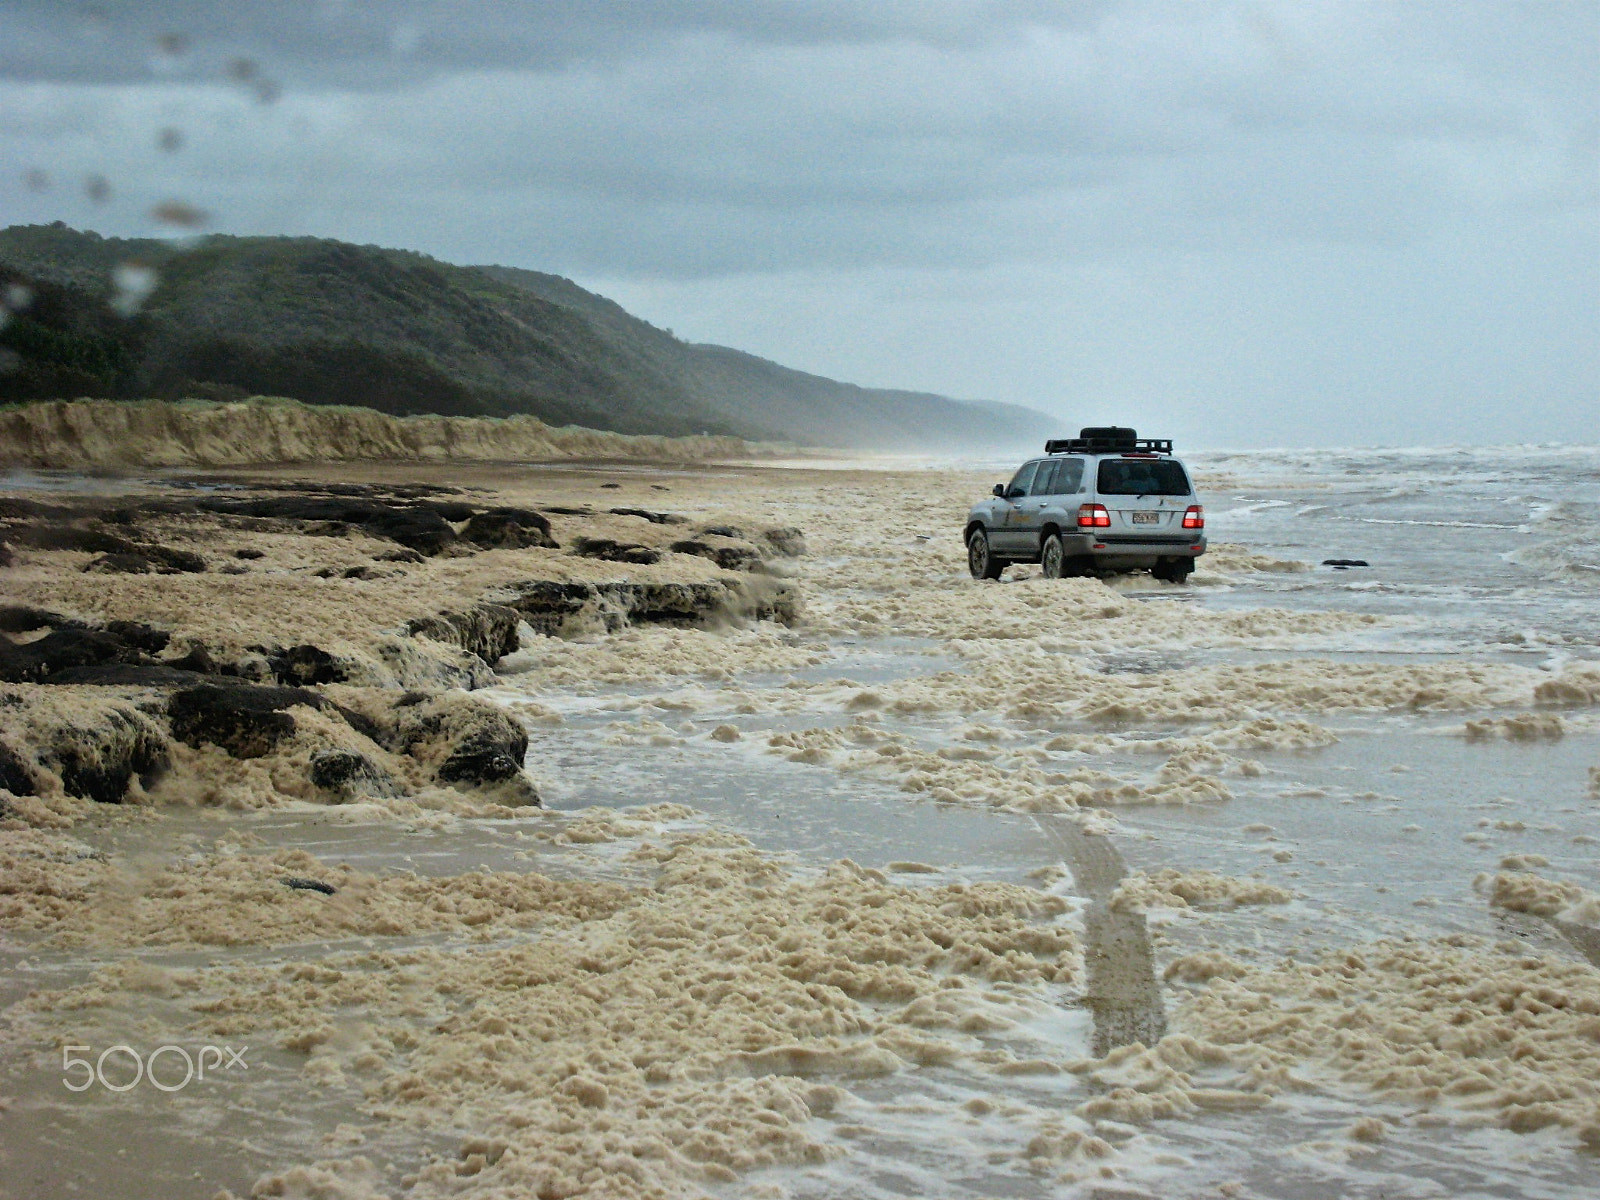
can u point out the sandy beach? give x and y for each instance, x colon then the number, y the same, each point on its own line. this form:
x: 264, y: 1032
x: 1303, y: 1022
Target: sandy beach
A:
x: 818, y: 867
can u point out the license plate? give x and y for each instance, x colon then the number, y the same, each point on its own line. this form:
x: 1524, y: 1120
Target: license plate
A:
x: 1146, y: 518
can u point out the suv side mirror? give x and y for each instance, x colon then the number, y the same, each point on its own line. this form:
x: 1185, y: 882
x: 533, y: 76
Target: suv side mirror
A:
x: 1000, y: 490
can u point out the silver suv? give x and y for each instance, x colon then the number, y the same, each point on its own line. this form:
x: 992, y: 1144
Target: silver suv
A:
x: 1104, y: 501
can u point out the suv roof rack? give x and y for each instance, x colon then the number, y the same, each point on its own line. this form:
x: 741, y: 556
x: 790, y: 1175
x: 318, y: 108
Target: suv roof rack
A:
x: 1100, y: 439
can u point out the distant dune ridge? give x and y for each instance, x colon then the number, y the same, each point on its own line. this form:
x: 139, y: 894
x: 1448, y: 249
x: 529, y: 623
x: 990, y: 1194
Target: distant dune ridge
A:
x: 197, y: 433
x: 325, y: 322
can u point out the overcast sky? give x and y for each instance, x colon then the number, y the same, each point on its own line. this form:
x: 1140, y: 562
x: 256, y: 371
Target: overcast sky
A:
x: 1236, y: 224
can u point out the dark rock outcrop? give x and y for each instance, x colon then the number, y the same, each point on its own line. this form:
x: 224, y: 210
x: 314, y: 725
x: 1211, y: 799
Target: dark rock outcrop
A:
x: 73, y: 537
x: 15, y: 777
x: 305, y: 666
x: 145, y: 638
x: 151, y: 675
x: 19, y: 618
x: 548, y: 605
x: 118, y: 553
x: 508, y: 529
x: 99, y: 760
x: 615, y: 551
x: 419, y: 529
x: 95, y: 745
x: 130, y: 563
x: 60, y: 649
x: 349, y: 775
x: 485, y: 758
x: 453, y: 511
x: 655, y: 518
x: 247, y: 722
x: 728, y: 557
x: 487, y: 630
x: 467, y: 742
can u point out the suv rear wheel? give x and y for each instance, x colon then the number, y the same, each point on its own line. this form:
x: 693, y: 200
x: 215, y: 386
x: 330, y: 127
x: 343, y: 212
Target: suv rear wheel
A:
x: 980, y: 561
x: 1053, y: 557
x: 1174, y: 572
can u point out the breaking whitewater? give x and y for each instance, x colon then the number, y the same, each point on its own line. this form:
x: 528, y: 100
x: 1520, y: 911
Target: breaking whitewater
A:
x: 1281, y: 883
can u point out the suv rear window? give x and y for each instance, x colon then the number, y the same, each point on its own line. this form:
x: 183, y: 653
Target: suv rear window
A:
x: 1142, y: 477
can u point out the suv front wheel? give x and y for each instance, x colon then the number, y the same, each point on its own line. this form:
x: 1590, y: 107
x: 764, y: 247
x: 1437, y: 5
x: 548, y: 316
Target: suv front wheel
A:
x: 980, y: 561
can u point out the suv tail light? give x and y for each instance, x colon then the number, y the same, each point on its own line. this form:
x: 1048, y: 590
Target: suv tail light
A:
x: 1194, y: 517
x: 1093, y: 516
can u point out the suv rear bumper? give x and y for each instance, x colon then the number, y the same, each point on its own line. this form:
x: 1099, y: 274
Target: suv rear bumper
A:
x: 1132, y: 550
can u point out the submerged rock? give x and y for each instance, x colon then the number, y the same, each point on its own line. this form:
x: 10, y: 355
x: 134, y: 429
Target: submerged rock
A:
x: 786, y: 540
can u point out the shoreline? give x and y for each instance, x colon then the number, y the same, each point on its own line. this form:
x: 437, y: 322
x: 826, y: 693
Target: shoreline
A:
x: 789, y: 876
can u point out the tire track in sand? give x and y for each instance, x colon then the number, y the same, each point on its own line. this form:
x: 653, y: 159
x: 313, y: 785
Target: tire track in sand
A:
x: 1122, y: 991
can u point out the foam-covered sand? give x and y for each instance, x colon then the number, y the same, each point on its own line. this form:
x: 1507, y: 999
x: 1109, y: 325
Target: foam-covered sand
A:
x: 652, y: 1040
x: 1472, y: 1031
x: 649, y: 1006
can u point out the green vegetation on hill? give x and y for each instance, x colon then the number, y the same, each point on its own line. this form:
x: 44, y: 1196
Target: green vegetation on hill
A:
x: 327, y: 322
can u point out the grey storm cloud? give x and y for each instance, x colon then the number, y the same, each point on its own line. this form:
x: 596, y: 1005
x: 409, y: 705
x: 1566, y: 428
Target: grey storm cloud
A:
x: 705, y: 160
x: 374, y: 43
x: 696, y: 138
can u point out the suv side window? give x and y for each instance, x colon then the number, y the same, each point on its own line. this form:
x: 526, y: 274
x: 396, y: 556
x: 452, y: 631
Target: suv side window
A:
x: 1022, y: 481
x: 1044, y: 483
x: 1069, y: 476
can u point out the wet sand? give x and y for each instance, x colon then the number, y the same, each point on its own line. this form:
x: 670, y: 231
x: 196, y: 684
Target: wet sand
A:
x: 939, y: 888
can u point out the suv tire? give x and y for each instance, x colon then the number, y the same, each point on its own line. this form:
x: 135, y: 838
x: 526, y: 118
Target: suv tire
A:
x: 980, y: 559
x: 1053, y: 557
x: 1173, y: 572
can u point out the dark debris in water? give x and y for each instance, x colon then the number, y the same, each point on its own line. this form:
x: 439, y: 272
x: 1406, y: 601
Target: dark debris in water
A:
x: 309, y: 885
